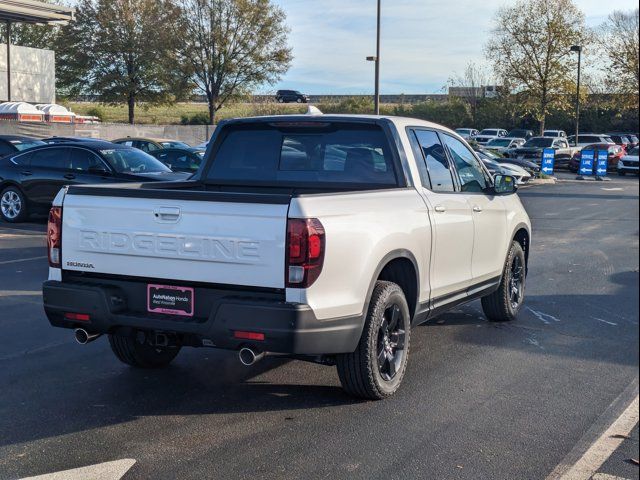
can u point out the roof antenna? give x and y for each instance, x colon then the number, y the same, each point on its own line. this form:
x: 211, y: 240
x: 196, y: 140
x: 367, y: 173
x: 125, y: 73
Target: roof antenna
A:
x: 311, y: 110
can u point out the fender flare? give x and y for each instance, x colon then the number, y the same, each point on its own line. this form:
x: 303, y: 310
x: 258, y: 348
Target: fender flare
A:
x: 518, y: 227
x: 393, y: 255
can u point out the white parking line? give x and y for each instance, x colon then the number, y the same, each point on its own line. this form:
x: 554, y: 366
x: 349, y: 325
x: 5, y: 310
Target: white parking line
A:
x: 103, y: 471
x: 602, y: 448
x: 19, y: 260
x: 10, y: 236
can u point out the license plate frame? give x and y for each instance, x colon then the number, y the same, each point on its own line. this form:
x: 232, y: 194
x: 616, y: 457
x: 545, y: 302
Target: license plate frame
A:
x: 170, y: 300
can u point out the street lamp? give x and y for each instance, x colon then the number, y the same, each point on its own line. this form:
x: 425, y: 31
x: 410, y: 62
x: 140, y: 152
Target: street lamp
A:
x: 377, y: 60
x: 578, y: 48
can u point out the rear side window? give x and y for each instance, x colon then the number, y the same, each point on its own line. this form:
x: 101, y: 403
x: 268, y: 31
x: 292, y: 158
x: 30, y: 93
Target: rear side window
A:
x: 51, y: 158
x: 438, y: 167
x: 23, y: 160
x: 294, y: 155
x: 5, y: 148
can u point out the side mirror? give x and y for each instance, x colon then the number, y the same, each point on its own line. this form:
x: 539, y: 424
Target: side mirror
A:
x: 99, y: 170
x: 504, y: 184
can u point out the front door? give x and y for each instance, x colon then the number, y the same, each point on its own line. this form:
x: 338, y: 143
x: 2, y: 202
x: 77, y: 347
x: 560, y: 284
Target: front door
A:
x: 490, y: 235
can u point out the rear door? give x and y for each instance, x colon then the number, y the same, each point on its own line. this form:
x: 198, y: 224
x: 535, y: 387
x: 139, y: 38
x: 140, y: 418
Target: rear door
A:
x: 489, y: 213
x: 451, y: 218
x: 177, y: 239
x: 48, y: 172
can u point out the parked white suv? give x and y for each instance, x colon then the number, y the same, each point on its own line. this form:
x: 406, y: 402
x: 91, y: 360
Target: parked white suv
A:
x: 489, y: 134
x: 554, y: 133
x: 320, y: 238
x: 586, y: 139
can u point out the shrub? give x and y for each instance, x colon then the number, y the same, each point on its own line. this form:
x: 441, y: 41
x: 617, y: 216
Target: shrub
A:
x: 198, y: 118
x: 95, y: 112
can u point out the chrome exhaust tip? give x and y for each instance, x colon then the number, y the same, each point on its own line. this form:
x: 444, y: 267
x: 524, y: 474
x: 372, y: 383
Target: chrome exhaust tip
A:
x: 249, y: 356
x: 83, y: 337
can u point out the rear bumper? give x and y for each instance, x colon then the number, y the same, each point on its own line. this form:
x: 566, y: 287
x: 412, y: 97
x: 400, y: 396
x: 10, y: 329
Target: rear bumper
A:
x: 288, y: 328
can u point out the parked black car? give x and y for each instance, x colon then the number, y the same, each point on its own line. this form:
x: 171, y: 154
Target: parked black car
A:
x: 534, y: 148
x: 10, y: 144
x: 30, y: 180
x: 484, y: 154
x: 521, y: 133
x: 291, y: 96
x: 180, y: 159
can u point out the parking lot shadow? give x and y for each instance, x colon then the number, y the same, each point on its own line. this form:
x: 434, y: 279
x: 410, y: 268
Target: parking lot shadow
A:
x: 83, y: 390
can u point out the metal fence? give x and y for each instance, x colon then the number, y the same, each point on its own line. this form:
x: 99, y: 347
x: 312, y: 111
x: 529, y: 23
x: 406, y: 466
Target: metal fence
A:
x: 191, y: 134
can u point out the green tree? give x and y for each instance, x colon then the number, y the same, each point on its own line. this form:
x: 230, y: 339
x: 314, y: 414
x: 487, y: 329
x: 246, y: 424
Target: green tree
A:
x: 132, y: 57
x: 229, y: 47
x: 530, y: 49
x: 74, y: 46
x: 619, y: 39
x: 122, y: 51
x: 470, y: 87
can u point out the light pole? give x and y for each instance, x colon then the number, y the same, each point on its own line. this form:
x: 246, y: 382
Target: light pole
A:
x: 376, y: 59
x: 578, y: 48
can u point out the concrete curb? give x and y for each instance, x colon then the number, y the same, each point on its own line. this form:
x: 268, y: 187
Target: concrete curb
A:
x: 542, y: 181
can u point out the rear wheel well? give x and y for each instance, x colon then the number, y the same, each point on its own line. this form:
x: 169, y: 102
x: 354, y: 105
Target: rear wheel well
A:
x: 522, y: 237
x: 402, y: 272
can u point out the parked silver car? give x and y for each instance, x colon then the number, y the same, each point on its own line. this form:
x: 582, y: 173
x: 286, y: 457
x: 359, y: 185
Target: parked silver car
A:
x: 500, y: 144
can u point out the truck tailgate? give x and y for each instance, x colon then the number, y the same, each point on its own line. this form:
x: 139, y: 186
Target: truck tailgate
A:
x: 222, y: 241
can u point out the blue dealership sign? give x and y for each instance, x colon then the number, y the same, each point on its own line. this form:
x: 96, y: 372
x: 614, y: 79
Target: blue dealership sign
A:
x: 587, y: 158
x: 603, y: 163
x: 548, y: 161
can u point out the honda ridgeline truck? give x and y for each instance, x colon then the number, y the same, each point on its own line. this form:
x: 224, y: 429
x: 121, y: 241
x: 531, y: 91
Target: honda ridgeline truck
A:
x: 313, y: 237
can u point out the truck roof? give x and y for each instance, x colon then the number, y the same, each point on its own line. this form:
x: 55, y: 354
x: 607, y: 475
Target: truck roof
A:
x: 400, y: 122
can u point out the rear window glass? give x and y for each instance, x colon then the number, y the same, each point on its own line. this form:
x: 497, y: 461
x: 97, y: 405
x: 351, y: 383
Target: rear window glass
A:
x: 296, y: 155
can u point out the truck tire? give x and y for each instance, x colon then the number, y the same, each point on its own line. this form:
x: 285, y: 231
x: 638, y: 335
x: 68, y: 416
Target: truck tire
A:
x: 131, y: 351
x: 13, y: 205
x: 504, y: 304
x: 375, y: 370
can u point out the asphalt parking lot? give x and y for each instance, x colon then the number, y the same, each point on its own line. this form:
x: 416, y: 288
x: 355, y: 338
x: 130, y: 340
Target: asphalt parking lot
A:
x: 480, y: 400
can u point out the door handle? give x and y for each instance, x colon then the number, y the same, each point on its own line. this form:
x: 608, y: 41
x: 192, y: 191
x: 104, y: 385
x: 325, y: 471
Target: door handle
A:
x: 26, y: 173
x: 167, y: 214
x: 69, y: 176
x: 477, y: 209
x: 440, y: 209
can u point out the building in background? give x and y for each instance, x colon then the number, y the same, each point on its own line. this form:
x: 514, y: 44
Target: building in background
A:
x: 33, y: 75
x: 29, y: 73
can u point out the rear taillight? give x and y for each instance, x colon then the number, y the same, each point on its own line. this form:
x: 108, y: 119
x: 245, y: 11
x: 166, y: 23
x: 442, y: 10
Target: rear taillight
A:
x: 305, y: 251
x: 54, y: 237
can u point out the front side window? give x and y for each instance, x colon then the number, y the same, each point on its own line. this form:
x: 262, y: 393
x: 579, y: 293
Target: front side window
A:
x: 83, y: 160
x: 471, y: 174
x: 131, y: 160
x: 438, y: 167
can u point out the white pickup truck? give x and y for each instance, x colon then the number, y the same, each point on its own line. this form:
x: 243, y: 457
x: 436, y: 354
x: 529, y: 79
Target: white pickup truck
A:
x: 320, y: 238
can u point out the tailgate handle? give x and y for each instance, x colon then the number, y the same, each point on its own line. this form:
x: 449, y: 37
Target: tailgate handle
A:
x: 167, y: 214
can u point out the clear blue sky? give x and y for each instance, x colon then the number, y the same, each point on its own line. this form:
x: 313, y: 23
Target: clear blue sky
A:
x: 425, y: 42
